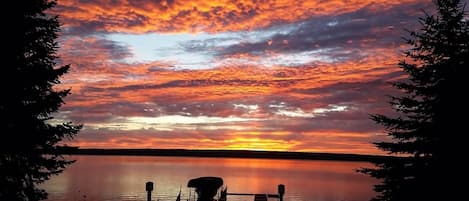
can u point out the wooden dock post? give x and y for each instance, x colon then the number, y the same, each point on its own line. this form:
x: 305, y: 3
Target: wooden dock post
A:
x: 281, y: 191
x: 149, y: 188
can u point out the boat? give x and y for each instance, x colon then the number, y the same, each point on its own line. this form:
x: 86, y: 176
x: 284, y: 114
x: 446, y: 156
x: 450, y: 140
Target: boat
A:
x: 206, y: 187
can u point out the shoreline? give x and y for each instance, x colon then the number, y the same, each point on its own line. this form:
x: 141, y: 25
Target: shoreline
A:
x: 230, y: 154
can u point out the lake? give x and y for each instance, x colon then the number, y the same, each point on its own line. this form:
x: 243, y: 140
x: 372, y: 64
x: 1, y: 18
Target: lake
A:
x: 100, y: 178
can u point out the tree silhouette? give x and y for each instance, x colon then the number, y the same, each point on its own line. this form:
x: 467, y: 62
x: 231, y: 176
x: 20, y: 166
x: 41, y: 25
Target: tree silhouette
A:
x: 428, y: 128
x: 30, y: 135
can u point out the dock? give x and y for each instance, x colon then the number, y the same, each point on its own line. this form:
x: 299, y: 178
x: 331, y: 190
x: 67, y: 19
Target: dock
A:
x: 207, y: 187
x: 264, y: 197
x: 259, y: 197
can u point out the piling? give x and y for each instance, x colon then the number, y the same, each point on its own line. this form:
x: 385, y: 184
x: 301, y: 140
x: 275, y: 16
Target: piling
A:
x: 149, y: 188
x: 281, y: 191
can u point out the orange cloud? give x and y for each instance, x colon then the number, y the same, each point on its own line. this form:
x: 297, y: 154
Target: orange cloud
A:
x: 129, y: 16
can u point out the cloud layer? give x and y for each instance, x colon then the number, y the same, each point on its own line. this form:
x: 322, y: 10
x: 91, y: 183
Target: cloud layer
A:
x: 142, y: 16
x: 268, y: 75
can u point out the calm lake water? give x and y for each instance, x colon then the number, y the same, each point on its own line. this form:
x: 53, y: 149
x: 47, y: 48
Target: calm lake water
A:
x: 99, y: 178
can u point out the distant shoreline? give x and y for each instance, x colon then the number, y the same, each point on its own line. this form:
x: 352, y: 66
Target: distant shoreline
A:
x: 229, y: 154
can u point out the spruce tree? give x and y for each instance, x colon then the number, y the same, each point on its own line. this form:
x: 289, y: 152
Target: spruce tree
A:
x: 428, y: 128
x: 30, y: 136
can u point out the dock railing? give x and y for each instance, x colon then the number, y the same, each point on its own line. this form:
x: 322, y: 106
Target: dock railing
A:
x: 263, y: 197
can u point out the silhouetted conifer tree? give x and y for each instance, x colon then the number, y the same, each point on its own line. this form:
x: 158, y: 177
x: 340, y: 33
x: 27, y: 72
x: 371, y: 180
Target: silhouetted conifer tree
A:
x: 429, y: 127
x: 28, y: 100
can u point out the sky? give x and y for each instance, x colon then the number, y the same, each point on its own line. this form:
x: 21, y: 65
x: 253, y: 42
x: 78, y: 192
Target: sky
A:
x: 285, y: 75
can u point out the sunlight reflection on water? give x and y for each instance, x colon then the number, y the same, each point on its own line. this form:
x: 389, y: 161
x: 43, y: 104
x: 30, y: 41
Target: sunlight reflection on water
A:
x: 123, y: 178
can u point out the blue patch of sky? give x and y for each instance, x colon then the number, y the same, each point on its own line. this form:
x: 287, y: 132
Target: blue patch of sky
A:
x: 160, y: 47
x: 196, y: 51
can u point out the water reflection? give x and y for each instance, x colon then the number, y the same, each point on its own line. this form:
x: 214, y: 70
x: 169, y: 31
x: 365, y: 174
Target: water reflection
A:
x: 124, y: 177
